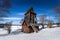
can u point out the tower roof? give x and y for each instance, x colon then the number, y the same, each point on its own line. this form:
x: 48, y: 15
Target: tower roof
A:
x: 30, y: 10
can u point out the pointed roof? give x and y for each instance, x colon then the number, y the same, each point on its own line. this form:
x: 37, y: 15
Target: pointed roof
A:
x: 30, y: 10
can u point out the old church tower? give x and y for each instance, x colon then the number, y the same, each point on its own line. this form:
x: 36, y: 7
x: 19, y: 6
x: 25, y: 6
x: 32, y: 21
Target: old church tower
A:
x: 30, y: 22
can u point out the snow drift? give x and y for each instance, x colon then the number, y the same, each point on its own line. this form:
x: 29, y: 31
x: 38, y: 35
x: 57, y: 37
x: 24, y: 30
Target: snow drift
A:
x: 44, y: 34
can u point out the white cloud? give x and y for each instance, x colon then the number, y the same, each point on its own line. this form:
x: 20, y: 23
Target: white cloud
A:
x: 12, y: 18
x: 39, y: 14
x: 21, y: 13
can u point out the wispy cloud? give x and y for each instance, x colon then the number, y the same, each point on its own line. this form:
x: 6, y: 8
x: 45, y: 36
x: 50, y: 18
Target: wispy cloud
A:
x: 21, y: 13
x: 14, y: 20
x: 11, y: 18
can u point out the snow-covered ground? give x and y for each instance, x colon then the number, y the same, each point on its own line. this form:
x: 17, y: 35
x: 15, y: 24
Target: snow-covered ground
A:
x: 44, y: 34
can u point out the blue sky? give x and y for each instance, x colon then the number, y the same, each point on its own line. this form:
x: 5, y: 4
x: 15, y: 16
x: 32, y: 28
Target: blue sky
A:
x: 20, y: 7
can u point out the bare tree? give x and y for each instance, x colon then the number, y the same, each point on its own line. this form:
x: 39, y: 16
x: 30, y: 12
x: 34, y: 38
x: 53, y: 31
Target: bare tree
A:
x: 21, y: 21
x: 42, y: 20
x: 50, y: 23
x: 7, y: 26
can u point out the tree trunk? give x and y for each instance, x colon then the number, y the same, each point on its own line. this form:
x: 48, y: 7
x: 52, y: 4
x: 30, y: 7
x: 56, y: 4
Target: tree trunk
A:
x: 42, y: 26
x: 9, y: 29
